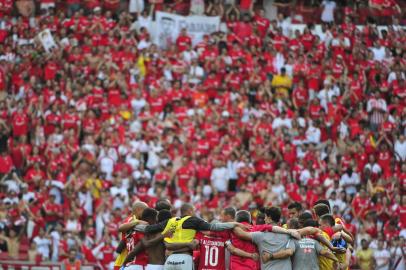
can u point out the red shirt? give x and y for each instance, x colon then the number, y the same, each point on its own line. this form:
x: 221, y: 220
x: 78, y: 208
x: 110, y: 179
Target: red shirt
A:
x: 184, y: 174
x: 20, y: 124
x: 237, y: 262
x: 212, y: 251
x: 182, y: 42
x: 360, y: 205
x: 6, y: 164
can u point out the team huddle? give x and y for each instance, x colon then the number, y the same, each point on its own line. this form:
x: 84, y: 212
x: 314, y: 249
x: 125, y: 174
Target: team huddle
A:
x: 153, y: 239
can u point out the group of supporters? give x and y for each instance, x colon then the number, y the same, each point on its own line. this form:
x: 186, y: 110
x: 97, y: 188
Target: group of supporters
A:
x: 153, y: 239
x: 262, y: 113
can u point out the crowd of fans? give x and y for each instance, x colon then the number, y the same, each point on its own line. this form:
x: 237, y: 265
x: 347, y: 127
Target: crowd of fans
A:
x: 254, y: 116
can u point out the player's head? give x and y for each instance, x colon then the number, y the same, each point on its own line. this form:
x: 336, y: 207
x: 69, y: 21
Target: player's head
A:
x: 163, y: 204
x: 163, y: 215
x: 187, y: 209
x: 149, y: 215
x: 294, y: 209
x: 325, y: 202
x: 138, y: 208
x: 303, y: 217
x: 228, y: 214
x: 260, y: 219
x: 327, y: 221
x: 293, y: 223
x: 310, y: 223
x: 321, y: 210
x: 243, y: 216
x: 272, y: 214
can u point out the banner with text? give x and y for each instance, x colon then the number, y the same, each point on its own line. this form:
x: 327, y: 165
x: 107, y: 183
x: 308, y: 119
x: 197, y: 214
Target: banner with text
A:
x: 170, y: 25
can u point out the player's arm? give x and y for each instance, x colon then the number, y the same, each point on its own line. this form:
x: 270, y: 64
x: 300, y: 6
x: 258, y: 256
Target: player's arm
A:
x: 129, y: 225
x: 151, y: 229
x: 344, y: 236
x: 241, y: 253
x: 243, y: 235
x: 199, y: 224
x: 153, y: 240
x: 281, y: 254
x: 275, y: 229
x: 328, y: 254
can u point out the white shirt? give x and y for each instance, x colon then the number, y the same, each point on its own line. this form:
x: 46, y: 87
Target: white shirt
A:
x: 107, y: 166
x: 376, y: 104
x: 279, y: 122
x: 400, y: 150
x: 43, y: 245
x: 219, y: 178
x: 380, y: 257
x: 328, y: 12
x: 145, y: 174
x: 379, y: 53
x: 351, y: 181
x: 196, y: 73
x: 313, y: 135
x: 132, y: 161
x: 325, y: 96
x: 374, y: 168
x: 138, y: 104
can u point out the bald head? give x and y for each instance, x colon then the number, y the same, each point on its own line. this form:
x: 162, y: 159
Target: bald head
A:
x: 187, y: 209
x: 138, y: 208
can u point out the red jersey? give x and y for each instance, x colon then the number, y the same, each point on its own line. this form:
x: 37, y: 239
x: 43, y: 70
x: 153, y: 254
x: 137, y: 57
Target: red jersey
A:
x: 212, y: 251
x: 239, y: 263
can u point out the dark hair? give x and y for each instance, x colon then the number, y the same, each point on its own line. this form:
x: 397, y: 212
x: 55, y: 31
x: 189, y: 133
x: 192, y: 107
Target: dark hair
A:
x: 311, y: 223
x: 260, y: 219
x: 230, y: 211
x: 243, y: 216
x: 295, y: 205
x: 163, y: 215
x: 329, y: 219
x: 293, y: 223
x: 149, y: 215
x: 274, y: 213
x: 325, y: 202
x: 321, y: 209
x: 305, y: 216
x: 163, y: 204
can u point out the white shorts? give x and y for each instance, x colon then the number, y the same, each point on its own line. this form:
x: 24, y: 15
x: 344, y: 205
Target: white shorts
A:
x: 154, y: 267
x: 47, y: 5
x: 179, y: 262
x: 134, y: 267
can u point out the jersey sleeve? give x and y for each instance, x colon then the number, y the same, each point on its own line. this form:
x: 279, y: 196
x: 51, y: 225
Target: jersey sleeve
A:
x: 257, y: 237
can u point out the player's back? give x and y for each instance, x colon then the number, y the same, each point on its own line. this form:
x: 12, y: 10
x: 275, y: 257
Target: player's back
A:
x: 240, y: 263
x: 213, y: 251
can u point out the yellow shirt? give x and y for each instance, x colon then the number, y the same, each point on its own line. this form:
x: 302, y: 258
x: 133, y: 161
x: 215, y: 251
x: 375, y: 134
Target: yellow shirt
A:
x: 180, y: 235
x: 324, y: 263
x: 282, y: 84
x: 94, y: 185
x: 364, y: 258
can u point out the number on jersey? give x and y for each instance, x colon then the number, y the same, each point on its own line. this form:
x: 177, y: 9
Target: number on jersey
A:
x: 211, y: 256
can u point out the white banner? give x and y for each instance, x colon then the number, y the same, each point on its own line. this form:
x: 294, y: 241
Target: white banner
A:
x: 170, y: 25
x: 47, y: 40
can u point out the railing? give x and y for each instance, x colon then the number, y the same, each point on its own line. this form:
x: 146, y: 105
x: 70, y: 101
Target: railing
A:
x: 25, y: 265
